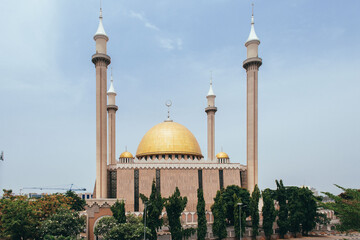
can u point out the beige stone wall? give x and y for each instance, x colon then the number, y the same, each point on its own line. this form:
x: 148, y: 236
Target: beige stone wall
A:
x: 231, y: 177
x: 125, y: 187
x: 185, y: 179
x: 211, y: 185
x: 146, y: 176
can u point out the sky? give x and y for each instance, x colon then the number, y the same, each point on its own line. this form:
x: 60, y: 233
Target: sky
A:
x: 309, y: 84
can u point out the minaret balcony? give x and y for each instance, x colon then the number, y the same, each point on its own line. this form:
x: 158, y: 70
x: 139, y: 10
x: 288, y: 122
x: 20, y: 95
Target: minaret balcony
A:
x: 101, y: 57
x: 255, y: 60
x: 210, y: 109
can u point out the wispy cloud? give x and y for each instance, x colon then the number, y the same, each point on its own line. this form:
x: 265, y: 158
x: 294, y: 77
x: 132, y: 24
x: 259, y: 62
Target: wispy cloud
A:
x: 143, y: 19
x: 170, y: 44
x: 164, y: 42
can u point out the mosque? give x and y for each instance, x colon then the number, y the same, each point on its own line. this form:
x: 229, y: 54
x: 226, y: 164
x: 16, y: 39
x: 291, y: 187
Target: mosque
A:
x: 168, y: 153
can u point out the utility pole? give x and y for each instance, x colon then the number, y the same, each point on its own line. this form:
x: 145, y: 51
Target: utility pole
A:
x: 240, y: 206
x: 146, y: 205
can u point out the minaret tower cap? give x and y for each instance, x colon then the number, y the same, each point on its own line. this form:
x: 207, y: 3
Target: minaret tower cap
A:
x: 211, y: 91
x: 111, y: 88
x: 252, y: 35
x: 100, y: 31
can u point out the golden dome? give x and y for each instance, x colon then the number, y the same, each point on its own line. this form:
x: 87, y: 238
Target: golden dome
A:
x: 168, y: 138
x: 221, y: 155
x: 126, y: 155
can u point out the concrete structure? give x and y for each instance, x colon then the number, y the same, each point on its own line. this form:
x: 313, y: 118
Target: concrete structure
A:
x: 252, y: 64
x: 168, y: 153
x: 112, y: 108
x: 210, y: 111
x: 101, y: 61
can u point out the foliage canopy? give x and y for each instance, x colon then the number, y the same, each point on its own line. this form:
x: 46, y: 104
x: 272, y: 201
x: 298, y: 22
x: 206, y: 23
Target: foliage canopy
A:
x: 200, y: 209
x: 219, y: 212
x: 155, y: 205
x: 347, y: 207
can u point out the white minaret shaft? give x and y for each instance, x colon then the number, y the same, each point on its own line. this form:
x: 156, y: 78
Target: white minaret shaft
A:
x: 112, y: 108
x: 252, y: 64
x: 210, y: 111
x: 101, y: 61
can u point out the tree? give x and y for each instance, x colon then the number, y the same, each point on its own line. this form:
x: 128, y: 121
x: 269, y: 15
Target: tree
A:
x: 187, y: 232
x: 118, y: 211
x: 200, y: 208
x: 295, y: 206
x: 268, y: 212
x: 254, y: 210
x: 109, y: 228
x: 282, y: 221
x: 302, y: 210
x: 155, y: 205
x: 228, y: 197
x: 104, y: 226
x: 48, y: 237
x: 347, y: 207
x: 219, y: 211
x: 133, y: 229
x: 19, y: 218
x: 309, y: 209
x: 76, y: 203
x: 64, y: 223
x: 48, y: 205
x: 175, y: 205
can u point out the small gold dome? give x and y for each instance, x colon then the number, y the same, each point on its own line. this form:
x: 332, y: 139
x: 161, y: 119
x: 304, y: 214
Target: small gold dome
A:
x: 126, y: 155
x: 221, y: 155
x: 168, y: 138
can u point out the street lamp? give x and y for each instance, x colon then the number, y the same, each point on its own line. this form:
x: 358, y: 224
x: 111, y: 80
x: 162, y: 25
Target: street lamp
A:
x: 240, y: 206
x: 146, y: 204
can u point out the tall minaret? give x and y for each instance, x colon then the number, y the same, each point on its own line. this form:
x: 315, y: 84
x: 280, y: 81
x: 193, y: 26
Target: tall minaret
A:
x: 210, y: 111
x: 101, y: 61
x: 252, y: 64
x: 112, y: 108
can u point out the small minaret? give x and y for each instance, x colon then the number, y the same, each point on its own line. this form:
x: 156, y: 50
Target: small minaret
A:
x: 252, y: 64
x: 111, y: 108
x: 101, y: 61
x: 210, y: 111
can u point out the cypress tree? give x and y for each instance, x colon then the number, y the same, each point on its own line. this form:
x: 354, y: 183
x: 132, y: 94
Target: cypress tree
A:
x: 269, y: 213
x: 309, y: 209
x: 200, y: 208
x: 175, y: 205
x: 155, y: 205
x: 228, y: 197
x: 254, y: 209
x: 295, y: 210
x: 118, y: 210
x: 282, y: 221
x: 219, y: 211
